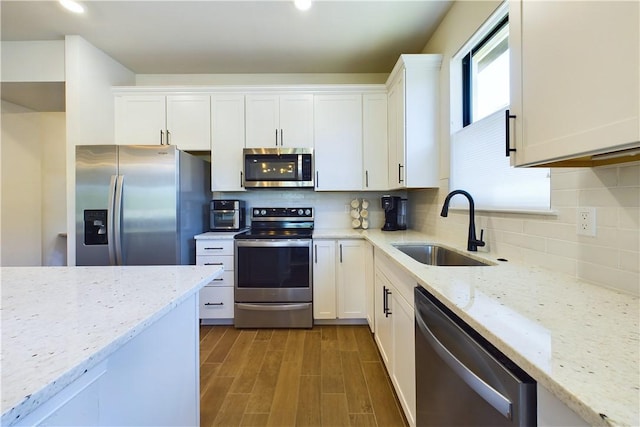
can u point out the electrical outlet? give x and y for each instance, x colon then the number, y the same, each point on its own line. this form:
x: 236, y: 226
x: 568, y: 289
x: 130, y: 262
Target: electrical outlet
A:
x: 586, y: 222
x: 347, y: 208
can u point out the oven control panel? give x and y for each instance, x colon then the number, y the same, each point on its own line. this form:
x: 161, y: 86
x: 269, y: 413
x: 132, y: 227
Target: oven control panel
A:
x: 279, y: 213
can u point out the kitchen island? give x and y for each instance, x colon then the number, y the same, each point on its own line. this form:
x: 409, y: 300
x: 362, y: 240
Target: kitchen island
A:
x: 580, y: 342
x: 101, y: 345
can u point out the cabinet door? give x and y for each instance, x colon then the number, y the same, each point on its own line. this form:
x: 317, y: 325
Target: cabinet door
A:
x: 374, y: 142
x: 338, y: 142
x: 383, y: 313
x: 351, y: 279
x: 227, y: 142
x: 404, y: 365
x: 574, y: 78
x: 189, y: 122
x: 396, y: 129
x: 262, y: 121
x: 296, y: 121
x: 140, y: 120
x: 324, y: 279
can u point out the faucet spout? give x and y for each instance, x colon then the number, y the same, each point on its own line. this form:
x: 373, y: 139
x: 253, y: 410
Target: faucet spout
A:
x: 472, y: 241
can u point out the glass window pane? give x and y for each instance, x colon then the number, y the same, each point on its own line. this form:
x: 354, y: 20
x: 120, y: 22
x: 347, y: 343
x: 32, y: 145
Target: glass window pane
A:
x: 490, y: 75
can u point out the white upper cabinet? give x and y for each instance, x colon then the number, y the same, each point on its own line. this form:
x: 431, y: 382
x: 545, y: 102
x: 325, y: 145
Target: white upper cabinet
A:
x: 227, y: 142
x: 374, y: 142
x: 180, y: 120
x: 413, y: 118
x: 338, y: 142
x: 575, y: 80
x: 279, y: 120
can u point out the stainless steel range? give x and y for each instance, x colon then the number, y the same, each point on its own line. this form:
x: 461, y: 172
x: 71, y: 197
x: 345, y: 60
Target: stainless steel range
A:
x: 273, y: 270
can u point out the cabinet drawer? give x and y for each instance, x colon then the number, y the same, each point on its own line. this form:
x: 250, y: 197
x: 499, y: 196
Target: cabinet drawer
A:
x: 225, y: 280
x: 214, y: 247
x: 226, y: 261
x: 216, y: 302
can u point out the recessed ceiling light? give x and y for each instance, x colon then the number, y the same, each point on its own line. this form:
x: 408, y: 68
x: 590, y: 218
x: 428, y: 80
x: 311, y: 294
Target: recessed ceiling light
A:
x: 302, y: 4
x: 72, y: 5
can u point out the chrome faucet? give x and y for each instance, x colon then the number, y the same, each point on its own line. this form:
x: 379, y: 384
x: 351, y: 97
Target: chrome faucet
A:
x: 472, y: 242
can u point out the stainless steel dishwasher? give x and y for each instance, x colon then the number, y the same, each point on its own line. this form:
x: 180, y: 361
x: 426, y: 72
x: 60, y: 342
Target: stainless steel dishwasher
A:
x: 461, y: 379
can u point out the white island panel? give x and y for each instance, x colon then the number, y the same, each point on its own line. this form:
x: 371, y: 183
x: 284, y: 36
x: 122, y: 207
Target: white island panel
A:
x: 58, y: 323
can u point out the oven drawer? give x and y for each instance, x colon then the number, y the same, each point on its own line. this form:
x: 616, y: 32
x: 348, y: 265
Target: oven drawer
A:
x: 226, y: 261
x: 214, y: 247
x: 216, y: 302
x: 225, y: 280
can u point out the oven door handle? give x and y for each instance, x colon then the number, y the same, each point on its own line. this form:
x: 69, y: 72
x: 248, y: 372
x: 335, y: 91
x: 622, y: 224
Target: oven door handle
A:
x: 273, y: 243
x: 272, y: 306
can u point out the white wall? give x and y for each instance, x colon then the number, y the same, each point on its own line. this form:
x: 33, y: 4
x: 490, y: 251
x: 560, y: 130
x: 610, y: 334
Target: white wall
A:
x: 90, y: 75
x: 33, y: 187
x: 610, y: 259
x: 54, y: 207
x: 33, y: 61
x: 258, y: 79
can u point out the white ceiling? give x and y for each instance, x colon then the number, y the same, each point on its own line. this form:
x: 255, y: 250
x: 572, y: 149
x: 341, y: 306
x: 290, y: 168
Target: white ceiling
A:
x: 215, y: 36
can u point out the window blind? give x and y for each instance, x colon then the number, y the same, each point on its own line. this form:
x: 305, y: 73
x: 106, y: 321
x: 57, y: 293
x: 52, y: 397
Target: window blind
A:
x: 479, y: 166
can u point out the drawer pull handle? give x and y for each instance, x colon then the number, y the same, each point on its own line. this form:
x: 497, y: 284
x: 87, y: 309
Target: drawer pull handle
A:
x: 218, y: 280
x: 213, y: 249
x: 213, y: 303
x: 213, y: 263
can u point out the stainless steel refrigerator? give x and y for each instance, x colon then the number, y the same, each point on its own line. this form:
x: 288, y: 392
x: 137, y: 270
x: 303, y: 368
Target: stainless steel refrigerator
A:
x: 139, y: 205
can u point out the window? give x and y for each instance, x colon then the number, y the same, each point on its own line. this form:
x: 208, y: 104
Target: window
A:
x: 485, y: 74
x: 479, y: 97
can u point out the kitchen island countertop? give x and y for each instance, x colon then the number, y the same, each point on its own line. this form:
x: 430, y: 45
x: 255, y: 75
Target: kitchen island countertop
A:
x: 58, y: 322
x: 580, y: 341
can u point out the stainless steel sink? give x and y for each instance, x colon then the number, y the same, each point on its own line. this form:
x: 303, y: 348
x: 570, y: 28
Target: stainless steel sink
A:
x: 431, y: 254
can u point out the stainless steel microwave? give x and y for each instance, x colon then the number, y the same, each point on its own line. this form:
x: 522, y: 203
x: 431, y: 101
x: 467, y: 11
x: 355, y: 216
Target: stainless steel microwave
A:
x: 278, y: 167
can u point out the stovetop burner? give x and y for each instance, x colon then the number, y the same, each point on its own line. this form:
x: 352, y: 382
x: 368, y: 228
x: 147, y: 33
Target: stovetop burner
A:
x: 280, y: 223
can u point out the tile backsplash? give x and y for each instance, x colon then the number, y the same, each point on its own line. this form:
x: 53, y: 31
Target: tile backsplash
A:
x: 332, y: 209
x: 609, y: 259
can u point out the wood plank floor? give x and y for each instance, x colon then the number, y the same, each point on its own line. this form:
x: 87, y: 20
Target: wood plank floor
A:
x: 325, y: 376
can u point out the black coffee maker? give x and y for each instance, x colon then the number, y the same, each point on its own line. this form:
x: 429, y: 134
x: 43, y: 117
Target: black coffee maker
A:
x: 395, y: 213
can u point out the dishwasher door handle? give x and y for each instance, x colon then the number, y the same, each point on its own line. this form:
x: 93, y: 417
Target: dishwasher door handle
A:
x: 477, y: 384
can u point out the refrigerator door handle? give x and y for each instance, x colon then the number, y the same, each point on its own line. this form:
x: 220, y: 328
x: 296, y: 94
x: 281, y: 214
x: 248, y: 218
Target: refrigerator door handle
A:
x: 110, y: 221
x: 118, y: 219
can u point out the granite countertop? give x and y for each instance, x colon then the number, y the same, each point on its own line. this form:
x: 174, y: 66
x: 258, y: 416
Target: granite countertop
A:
x: 58, y: 322
x: 580, y: 341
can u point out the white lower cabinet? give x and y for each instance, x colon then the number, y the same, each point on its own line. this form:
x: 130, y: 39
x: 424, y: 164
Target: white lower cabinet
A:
x: 394, y: 330
x: 339, y: 279
x: 369, y: 281
x: 216, y: 298
x: 552, y: 412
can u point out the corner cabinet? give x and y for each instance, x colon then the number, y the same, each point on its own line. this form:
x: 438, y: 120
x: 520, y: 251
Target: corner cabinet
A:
x: 279, y: 120
x: 575, y: 85
x: 154, y: 119
x: 339, y: 279
x: 227, y: 142
x: 338, y: 142
x: 413, y: 122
